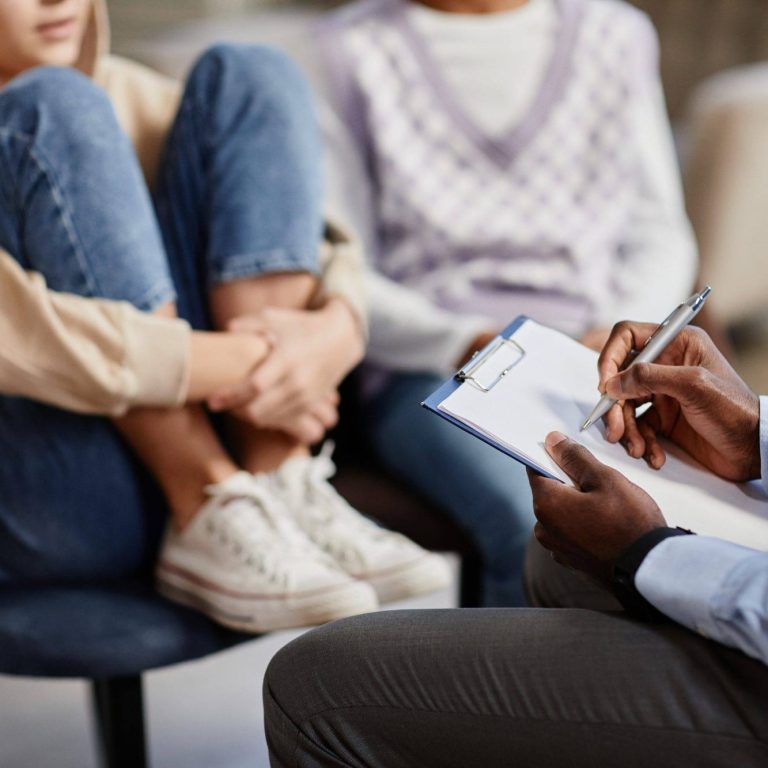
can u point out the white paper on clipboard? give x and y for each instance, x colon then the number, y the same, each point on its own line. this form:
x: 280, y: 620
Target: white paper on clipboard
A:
x: 553, y: 386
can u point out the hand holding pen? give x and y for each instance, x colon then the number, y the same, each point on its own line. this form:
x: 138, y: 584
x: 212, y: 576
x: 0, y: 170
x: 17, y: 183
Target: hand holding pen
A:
x: 654, y: 345
x: 699, y: 402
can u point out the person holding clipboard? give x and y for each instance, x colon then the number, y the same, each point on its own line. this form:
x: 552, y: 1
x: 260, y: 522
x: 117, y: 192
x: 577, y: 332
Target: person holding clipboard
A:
x: 679, y: 677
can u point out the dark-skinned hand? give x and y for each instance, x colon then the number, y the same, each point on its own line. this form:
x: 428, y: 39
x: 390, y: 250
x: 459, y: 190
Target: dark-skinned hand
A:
x: 699, y: 402
x: 588, y: 526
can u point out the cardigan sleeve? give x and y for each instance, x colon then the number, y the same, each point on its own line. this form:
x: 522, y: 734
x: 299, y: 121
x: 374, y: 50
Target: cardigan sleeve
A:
x: 86, y: 355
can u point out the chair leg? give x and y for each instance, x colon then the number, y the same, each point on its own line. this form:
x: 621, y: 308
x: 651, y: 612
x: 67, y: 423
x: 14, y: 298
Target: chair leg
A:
x: 470, y: 582
x: 119, y: 706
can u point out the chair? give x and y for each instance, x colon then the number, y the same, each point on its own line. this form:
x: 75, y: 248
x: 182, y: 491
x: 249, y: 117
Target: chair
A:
x: 111, y: 634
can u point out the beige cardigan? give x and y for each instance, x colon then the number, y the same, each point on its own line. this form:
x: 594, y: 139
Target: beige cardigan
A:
x: 104, y: 357
x: 86, y: 355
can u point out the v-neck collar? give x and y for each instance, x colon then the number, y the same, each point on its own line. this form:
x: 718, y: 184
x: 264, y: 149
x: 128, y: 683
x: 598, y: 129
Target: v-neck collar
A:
x: 501, y: 150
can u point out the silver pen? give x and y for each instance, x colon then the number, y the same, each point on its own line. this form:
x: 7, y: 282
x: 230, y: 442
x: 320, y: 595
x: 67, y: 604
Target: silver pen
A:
x: 655, y: 345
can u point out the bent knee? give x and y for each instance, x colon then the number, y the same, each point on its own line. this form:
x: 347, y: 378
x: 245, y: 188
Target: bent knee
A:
x: 304, y: 672
x: 255, y: 69
x: 289, y: 672
x: 54, y: 97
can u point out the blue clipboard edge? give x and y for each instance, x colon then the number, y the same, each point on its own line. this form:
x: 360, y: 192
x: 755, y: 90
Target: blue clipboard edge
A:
x: 451, y: 385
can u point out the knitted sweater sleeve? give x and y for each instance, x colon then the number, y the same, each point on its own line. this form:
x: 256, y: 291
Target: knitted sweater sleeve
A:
x: 658, y: 259
x: 408, y: 332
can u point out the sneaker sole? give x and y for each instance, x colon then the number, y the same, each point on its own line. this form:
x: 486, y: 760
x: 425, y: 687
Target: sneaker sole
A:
x: 264, y: 613
x: 427, y: 574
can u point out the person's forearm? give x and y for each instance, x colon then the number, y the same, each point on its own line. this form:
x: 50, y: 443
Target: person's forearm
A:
x: 342, y: 271
x: 218, y: 360
x: 658, y: 239
x: 86, y: 355
x: 343, y: 337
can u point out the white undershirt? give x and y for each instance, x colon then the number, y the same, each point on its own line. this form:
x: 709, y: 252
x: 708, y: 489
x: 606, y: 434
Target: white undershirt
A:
x: 494, y: 63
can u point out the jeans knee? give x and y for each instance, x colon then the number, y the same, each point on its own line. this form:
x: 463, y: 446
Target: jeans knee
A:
x: 59, y: 99
x: 251, y: 71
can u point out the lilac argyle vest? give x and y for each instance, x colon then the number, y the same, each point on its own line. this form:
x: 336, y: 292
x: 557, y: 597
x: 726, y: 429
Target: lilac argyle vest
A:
x: 480, y: 222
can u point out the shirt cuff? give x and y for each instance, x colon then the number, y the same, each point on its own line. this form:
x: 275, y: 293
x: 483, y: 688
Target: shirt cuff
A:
x: 626, y: 566
x: 156, y: 359
x: 764, y: 441
x: 681, y: 577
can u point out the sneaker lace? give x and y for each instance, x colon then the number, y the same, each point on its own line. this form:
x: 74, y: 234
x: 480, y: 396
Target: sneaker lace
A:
x: 335, y: 525
x: 257, y: 531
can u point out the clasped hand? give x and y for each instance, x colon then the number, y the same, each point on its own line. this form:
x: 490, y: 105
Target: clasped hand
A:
x: 294, y: 389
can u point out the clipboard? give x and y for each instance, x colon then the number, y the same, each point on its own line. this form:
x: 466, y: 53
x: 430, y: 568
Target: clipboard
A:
x: 544, y: 381
x: 471, y: 373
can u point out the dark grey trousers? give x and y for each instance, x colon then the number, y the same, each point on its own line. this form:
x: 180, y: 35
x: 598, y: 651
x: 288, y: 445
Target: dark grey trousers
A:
x: 479, y: 688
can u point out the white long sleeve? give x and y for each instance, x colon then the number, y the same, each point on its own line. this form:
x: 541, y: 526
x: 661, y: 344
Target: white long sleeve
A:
x: 659, y: 248
x: 408, y: 332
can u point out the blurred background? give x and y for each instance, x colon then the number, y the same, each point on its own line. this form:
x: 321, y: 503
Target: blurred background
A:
x: 715, y: 72
x: 714, y: 62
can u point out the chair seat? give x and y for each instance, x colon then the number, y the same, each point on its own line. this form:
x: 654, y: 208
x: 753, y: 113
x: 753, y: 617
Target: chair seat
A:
x: 100, y: 631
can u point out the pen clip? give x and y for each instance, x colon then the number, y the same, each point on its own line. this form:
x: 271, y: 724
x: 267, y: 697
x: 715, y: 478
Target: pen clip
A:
x: 660, y: 328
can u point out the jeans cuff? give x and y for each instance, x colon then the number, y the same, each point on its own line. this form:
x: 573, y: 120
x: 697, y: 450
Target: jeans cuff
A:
x: 157, y: 296
x: 237, y: 267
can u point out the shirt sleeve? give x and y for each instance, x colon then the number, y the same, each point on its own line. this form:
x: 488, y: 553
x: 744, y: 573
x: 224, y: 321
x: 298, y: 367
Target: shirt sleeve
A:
x: 658, y: 248
x: 343, y: 271
x: 713, y: 587
x: 410, y: 333
x: 86, y: 355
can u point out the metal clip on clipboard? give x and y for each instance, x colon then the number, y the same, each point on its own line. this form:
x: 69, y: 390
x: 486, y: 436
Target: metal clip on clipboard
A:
x: 469, y: 372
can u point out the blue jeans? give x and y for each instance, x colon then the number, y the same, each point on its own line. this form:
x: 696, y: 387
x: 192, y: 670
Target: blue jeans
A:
x: 482, y: 490
x: 237, y: 195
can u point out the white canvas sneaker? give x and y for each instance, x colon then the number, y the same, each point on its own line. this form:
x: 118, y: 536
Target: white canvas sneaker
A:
x: 392, y: 564
x: 244, y: 562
